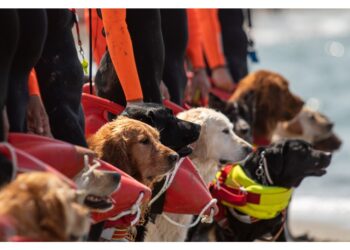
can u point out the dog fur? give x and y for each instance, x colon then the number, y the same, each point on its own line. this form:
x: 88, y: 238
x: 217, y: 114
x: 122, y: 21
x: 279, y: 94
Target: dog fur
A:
x: 289, y: 162
x: 217, y: 142
x: 309, y: 125
x: 43, y: 207
x: 272, y: 103
x: 237, y: 113
x: 134, y: 147
x: 174, y: 133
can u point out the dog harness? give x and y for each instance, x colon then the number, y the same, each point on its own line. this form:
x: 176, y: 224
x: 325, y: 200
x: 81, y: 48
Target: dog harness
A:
x: 234, y: 189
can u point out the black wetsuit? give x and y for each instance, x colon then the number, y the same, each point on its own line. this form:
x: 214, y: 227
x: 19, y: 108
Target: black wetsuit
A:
x: 60, y: 77
x: 175, y: 36
x: 144, y: 27
x: 235, y: 42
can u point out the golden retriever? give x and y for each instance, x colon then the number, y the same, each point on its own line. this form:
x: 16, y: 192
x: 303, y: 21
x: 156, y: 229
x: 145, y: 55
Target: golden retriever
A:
x: 272, y: 103
x: 309, y: 125
x: 42, y: 207
x: 217, y: 144
x: 134, y: 147
x: 98, y: 186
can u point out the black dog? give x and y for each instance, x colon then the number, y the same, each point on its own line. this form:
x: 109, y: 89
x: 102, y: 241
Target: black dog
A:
x: 238, y: 113
x: 107, y: 83
x: 288, y: 163
x: 174, y: 133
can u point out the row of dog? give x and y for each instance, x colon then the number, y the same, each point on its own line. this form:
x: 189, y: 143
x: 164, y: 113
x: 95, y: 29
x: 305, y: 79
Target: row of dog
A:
x: 146, y: 142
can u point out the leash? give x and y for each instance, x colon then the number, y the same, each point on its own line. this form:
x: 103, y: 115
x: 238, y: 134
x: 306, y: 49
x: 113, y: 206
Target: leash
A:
x: 251, y: 46
x: 201, y: 217
x: 84, y: 62
x: 275, y: 237
x: 90, y: 51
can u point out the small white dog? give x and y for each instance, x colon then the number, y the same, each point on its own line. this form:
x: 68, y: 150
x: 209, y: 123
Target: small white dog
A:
x: 217, y: 144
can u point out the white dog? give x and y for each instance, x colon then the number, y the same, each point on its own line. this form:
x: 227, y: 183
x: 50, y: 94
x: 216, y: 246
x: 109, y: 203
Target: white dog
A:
x: 217, y: 144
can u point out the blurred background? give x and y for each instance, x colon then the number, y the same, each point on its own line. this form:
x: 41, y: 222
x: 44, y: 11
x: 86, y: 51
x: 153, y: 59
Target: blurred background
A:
x: 311, y: 48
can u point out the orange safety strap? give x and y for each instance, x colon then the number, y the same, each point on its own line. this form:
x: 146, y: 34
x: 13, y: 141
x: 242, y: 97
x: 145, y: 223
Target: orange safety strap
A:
x: 33, y: 85
x: 121, y: 52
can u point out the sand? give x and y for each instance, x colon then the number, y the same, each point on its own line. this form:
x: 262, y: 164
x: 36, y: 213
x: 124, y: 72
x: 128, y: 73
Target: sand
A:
x: 320, y: 231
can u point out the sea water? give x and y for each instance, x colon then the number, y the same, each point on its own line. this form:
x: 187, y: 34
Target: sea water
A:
x: 311, y: 48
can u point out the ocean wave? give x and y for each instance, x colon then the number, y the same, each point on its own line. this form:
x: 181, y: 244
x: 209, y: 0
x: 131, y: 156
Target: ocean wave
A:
x: 300, y: 24
x: 321, y: 209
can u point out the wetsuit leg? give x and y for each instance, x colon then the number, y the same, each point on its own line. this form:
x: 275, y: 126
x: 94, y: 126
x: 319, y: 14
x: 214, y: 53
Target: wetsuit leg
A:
x: 234, y: 41
x: 60, y: 77
x: 33, y: 25
x: 145, y: 31
x: 175, y: 36
x: 9, y: 24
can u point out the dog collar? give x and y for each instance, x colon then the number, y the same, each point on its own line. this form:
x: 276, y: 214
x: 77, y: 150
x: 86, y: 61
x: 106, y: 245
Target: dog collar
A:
x: 233, y: 188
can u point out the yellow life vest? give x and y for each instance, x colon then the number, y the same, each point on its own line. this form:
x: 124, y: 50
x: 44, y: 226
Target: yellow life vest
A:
x: 261, y: 202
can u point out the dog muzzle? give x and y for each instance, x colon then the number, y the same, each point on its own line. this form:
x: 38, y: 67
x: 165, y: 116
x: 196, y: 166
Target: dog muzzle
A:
x: 233, y: 188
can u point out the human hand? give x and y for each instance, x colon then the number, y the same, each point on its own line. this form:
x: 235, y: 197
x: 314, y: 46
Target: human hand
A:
x: 222, y: 79
x: 37, y: 119
x: 197, y: 91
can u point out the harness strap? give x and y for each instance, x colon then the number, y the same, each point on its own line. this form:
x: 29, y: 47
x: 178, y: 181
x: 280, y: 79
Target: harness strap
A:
x: 279, y: 232
x: 223, y: 193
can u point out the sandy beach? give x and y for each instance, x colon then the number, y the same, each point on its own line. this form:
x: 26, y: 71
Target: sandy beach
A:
x: 320, y: 231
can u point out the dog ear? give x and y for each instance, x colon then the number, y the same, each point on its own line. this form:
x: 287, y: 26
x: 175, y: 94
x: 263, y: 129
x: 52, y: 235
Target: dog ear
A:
x: 53, y: 215
x: 294, y: 127
x: 139, y: 113
x: 114, y: 151
x: 216, y: 103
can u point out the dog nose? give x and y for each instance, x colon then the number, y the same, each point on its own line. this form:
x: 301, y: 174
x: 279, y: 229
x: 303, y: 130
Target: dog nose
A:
x: 330, y: 126
x: 173, y: 158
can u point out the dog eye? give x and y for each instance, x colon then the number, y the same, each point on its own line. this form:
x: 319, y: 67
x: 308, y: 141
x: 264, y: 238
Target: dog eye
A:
x: 226, y: 131
x: 312, y: 117
x: 144, y: 141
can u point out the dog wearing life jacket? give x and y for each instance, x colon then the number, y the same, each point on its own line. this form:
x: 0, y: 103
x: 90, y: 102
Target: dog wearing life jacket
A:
x: 254, y: 196
x: 39, y: 206
x: 269, y: 100
x: 217, y: 143
x: 311, y: 126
